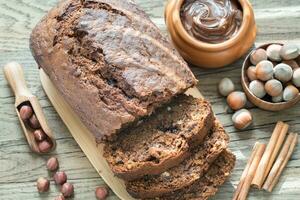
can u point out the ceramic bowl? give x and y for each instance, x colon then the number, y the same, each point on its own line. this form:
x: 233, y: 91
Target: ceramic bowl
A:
x: 208, y: 55
x: 263, y: 103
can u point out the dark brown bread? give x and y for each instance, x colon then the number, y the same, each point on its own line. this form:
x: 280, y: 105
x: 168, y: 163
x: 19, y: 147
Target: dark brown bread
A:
x: 207, y: 186
x: 162, y: 140
x: 186, y: 173
x: 109, y: 61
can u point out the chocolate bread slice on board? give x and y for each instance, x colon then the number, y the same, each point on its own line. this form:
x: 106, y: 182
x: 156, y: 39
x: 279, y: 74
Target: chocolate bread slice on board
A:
x: 161, y: 140
x: 207, y: 186
x: 109, y: 61
x: 187, y: 172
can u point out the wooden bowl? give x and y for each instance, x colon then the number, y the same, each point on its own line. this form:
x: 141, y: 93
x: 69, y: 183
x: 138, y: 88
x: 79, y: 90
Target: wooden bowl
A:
x: 263, y: 103
x: 208, y: 55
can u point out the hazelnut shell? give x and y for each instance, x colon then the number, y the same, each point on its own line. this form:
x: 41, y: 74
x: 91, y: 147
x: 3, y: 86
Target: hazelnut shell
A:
x: 236, y: 100
x: 67, y: 189
x: 101, y: 192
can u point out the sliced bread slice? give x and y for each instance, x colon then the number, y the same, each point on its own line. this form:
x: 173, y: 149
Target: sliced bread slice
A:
x: 207, y: 186
x: 160, y: 141
x: 187, y: 172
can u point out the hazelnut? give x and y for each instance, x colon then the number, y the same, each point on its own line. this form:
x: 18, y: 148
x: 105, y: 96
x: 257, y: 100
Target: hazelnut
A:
x: 283, y: 72
x: 292, y: 63
x: 257, y: 88
x: 226, y: 86
x: 273, y: 87
x: 34, y: 122
x: 258, y: 55
x: 67, y: 189
x: 44, y: 146
x: 290, y: 92
x: 278, y: 98
x: 264, y: 70
x: 25, y: 112
x: 289, y: 52
x: 42, y: 184
x: 39, y: 135
x: 242, y: 119
x: 60, y: 197
x: 251, y: 73
x: 273, y: 52
x: 52, y: 164
x: 296, y: 77
x: 236, y: 100
x: 60, y: 178
x: 101, y: 192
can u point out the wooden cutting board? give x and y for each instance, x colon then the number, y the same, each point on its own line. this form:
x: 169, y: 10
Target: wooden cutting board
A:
x: 85, y: 139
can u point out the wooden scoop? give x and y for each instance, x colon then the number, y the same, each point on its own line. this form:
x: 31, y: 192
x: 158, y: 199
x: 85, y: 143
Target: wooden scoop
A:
x: 15, y: 77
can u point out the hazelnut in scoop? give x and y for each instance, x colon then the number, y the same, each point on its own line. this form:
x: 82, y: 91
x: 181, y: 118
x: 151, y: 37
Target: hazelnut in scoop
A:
x: 25, y: 112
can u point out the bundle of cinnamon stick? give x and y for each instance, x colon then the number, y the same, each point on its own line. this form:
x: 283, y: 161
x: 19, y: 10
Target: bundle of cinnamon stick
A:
x: 262, y: 171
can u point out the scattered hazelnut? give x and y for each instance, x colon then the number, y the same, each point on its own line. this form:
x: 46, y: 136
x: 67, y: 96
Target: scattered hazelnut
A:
x: 257, y: 56
x: 67, y: 189
x: 292, y: 63
x: 273, y: 52
x: 60, y: 197
x: 236, y: 100
x: 25, y: 112
x: 52, y: 164
x: 290, y: 92
x: 226, y: 86
x: 283, y: 72
x: 101, y: 192
x: 34, y: 122
x: 44, y: 146
x: 296, y: 77
x: 42, y: 184
x: 242, y: 119
x: 60, y: 178
x: 251, y: 73
x: 289, y: 52
x: 39, y: 135
x: 257, y: 88
x: 273, y: 87
x: 264, y: 70
x: 278, y: 99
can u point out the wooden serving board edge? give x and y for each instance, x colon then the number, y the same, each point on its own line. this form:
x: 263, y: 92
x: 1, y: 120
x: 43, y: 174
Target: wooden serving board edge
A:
x: 85, y: 139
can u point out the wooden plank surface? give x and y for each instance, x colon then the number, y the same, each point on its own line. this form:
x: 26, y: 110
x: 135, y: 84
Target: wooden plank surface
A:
x: 277, y: 20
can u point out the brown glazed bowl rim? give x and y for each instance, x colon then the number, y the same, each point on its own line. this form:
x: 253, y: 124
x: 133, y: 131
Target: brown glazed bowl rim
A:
x: 247, y: 13
x: 266, y: 104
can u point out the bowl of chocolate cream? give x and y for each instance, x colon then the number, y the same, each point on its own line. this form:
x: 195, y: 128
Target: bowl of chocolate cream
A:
x: 211, y: 33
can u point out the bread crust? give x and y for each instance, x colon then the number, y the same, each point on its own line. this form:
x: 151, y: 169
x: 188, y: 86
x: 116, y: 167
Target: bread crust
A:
x: 109, y: 61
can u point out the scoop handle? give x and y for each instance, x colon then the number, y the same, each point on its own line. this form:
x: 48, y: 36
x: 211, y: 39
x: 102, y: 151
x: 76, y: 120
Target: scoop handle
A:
x: 15, y: 76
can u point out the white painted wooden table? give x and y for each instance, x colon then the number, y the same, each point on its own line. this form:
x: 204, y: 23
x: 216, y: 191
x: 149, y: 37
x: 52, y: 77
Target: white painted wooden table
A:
x: 277, y: 20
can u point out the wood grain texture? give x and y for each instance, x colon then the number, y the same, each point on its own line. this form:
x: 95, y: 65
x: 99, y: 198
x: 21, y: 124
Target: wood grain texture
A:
x: 277, y: 20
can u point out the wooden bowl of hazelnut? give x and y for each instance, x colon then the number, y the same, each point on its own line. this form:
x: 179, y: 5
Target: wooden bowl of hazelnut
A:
x: 271, y: 76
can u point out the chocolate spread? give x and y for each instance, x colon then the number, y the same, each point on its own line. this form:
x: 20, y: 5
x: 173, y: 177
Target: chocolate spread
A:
x: 211, y: 21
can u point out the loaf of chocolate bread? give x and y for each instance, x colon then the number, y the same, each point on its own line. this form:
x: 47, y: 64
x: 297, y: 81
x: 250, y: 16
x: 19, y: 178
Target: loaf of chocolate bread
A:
x: 186, y: 173
x: 161, y: 140
x: 109, y: 61
x: 208, y: 185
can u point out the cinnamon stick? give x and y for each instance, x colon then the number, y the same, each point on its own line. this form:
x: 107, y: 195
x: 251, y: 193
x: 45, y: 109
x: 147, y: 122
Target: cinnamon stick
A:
x: 281, y: 162
x: 279, y: 143
x: 252, y: 169
x: 245, y: 172
x: 258, y: 179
